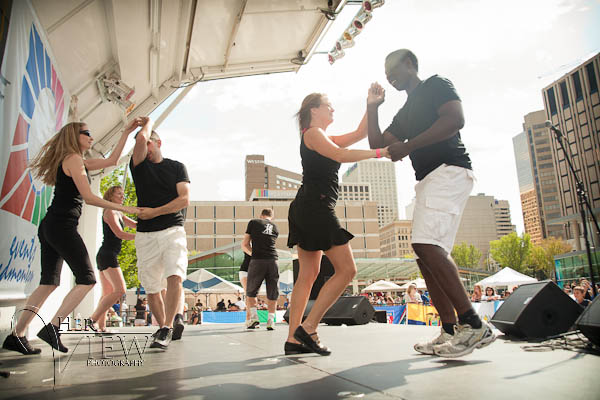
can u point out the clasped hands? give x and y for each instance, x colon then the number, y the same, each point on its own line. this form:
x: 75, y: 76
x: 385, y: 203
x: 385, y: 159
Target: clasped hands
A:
x: 396, y: 151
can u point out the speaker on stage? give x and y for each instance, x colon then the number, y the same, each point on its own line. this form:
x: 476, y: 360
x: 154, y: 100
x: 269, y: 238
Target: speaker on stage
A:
x: 536, y: 310
x: 349, y: 310
x: 325, y: 273
x: 380, y: 316
x: 309, y: 305
x: 589, y: 321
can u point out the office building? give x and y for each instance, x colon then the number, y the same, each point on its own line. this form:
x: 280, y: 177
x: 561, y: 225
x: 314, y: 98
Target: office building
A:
x: 572, y: 104
x: 381, y: 177
x: 263, y: 176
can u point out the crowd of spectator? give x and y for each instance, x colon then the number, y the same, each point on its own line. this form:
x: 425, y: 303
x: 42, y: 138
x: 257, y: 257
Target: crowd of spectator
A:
x: 581, y: 292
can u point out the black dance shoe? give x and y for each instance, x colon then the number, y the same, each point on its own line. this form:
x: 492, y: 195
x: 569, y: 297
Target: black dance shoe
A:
x: 178, y: 327
x: 295, y: 348
x: 303, y: 337
x: 51, y: 335
x: 20, y: 344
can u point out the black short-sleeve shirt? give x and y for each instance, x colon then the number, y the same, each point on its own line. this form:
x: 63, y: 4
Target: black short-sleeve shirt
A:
x: 264, y: 234
x: 156, y: 185
x: 417, y: 115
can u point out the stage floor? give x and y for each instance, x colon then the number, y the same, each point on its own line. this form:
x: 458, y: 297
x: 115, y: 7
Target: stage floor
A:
x: 227, y: 362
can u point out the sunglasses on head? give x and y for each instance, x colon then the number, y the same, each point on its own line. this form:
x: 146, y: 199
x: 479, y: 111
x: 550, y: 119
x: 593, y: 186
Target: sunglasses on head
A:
x: 86, y: 133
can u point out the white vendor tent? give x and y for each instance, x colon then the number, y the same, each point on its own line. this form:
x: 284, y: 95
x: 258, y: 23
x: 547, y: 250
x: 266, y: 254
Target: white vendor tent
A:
x: 202, y: 281
x: 382, y: 286
x: 419, y: 283
x: 506, y: 277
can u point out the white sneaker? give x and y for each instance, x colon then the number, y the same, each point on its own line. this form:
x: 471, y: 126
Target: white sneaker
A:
x: 252, y: 324
x: 465, y: 340
x: 270, y: 325
x: 427, y: 347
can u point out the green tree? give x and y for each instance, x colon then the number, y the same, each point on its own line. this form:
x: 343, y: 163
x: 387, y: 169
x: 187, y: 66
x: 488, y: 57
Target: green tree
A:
x: 512, y: 251
x: 127, y: 257
x: 541, y: 259
x: 466, y: 255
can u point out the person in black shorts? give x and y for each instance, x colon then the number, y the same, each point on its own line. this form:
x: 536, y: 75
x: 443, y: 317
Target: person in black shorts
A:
x: 262, y: 233
x: 162, y: 188
x: 243, y: 274
x: 60, y: 163
x: 111, y: 276
x: 313, y: 225
x: 427, y: 128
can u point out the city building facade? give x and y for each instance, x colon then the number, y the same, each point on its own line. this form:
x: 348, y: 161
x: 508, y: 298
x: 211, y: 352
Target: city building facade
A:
x: 572, y: 104
x: 214, y: 224
x: 395, y: 239
x: 259, y: 175
x: 381, y: 177
x: 484, y: 219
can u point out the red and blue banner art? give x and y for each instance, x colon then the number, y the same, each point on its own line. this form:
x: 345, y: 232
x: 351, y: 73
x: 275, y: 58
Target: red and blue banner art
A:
x: 33, y: 107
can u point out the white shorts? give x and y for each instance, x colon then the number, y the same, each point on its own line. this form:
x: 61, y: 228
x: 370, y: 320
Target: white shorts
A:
x: 160, y: 255
x: 440, y: 200
x: 243, y: 274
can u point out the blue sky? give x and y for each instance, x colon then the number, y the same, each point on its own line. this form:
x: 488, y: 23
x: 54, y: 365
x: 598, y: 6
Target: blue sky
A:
x: 498, y: 54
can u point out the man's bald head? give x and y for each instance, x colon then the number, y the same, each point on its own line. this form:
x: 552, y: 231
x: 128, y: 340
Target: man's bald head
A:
x: 396, y: 57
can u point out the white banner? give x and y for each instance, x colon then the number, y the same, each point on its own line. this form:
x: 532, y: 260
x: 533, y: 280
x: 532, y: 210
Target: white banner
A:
x: 33, y: 107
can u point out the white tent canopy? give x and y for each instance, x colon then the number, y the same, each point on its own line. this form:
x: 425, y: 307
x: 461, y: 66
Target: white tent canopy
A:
x: 202, y: 281
x: 382, y: 286
x: 506, y: 277
x: 419, y: 283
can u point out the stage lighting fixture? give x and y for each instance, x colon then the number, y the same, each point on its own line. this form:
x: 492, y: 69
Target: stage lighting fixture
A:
x: 342, y: 43
x: 361, y: 19
x: 113, y: 90
x: 350, y: 33
x: 335, y: 54
x: 345, y: 41
x: 369, y: 5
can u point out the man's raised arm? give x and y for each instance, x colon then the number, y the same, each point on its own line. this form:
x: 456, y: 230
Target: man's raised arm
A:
x: 140, y: 150
x: 375, y: 98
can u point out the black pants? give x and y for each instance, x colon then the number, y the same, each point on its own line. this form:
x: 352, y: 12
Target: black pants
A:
x: 60, y: 241
x: 260, y: 270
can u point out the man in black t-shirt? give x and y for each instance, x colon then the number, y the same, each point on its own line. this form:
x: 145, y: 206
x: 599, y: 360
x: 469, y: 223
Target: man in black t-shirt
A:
x: 162, y: 187
x: 427, y: 128
x: 262, y: 233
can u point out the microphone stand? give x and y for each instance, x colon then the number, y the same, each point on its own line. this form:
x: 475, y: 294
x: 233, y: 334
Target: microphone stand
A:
x: 583, y: 205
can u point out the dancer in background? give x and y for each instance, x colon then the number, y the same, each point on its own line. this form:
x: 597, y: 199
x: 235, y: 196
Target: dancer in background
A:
x: 262, y: 233
x: 60, y: 163
x: 313, y: 225
x: 243, y: 274
x: 427, y: 128
x: 111, y: 276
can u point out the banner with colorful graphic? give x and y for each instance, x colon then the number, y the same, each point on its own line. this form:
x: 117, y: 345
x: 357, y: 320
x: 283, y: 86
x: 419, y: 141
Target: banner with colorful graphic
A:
x: 33, y: 107
x: 419, y: 314
x: 394, y: 314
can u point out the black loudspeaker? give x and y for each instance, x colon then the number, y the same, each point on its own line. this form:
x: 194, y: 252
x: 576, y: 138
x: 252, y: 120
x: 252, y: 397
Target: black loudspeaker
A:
x: 309, y: 305
x: 589, y: 321
x: 349, y: 310
x: 536, y: 310
x: 380, y: 316
x: 325, y: 273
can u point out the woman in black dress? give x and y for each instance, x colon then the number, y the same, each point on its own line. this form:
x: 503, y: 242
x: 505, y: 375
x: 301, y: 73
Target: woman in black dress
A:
x: 60, y: 163
x: 111, y: 276
x: 313, y: 225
